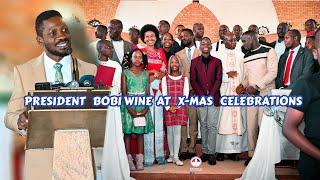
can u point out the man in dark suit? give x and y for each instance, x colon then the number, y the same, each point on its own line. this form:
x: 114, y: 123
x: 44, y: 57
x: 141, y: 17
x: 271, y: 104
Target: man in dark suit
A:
x: 206, y: 78
x: 219, y: 45
x: 164, y: 28
x: 198, y: 30
x: 120, y: 46
x: 295, y: 63
x: 279, y: 45
x: 309, y: 141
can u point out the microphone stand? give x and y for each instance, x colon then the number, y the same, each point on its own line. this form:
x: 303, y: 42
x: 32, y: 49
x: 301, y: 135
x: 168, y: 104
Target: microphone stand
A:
x: 75, y: 74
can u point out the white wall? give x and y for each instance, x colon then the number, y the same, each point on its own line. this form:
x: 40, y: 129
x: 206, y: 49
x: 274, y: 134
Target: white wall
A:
x: 244, y: 13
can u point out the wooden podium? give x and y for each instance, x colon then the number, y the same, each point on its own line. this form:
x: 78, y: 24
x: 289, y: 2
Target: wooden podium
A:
x: 65, y: 143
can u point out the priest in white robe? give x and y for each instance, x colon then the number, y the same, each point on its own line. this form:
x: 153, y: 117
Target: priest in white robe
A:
x: 231, y: 138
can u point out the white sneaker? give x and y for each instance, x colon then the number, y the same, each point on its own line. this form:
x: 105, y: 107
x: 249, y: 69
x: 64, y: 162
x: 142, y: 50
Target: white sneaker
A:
x: 170, y: 160
x: 179, y: 163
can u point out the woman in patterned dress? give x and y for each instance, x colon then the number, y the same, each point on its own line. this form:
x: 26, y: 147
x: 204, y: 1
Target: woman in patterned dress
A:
x: 153, y: 142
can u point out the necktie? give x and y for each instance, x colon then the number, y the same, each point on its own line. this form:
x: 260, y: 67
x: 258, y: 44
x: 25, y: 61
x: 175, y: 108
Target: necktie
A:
x: 58, y: 76
x: 189, y: 55
x: 288, y: 69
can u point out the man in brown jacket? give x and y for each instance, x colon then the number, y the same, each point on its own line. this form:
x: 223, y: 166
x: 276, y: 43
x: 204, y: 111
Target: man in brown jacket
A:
x: 186, y: 55
x: 55, y: 64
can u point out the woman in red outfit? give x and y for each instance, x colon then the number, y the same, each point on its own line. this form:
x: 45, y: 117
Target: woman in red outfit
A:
x: 157, y: 68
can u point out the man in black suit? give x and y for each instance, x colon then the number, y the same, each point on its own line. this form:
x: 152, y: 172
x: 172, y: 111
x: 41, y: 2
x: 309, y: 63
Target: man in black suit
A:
x: 309, y: 141
x: 164, y: 28
x: 120, y: 46
x: 295, y: 63
x: 279, y: 45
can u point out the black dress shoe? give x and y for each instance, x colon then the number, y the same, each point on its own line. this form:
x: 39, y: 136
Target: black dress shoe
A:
x: 198, y: 141
x: 220, y: 157
x: 233, y: 157
x: 204, y: 157
x: 212, y: 159
x: 191, y: 155
x: 183, y: 156
x: 247, y: 161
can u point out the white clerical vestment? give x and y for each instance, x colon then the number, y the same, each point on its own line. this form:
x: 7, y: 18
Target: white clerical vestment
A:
x: 230, y: 119
x: 232, y: 136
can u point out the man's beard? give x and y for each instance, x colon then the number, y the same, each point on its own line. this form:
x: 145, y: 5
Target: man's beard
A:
x: 289, y: 46
x: 65, y: 52
x: 186, y: 44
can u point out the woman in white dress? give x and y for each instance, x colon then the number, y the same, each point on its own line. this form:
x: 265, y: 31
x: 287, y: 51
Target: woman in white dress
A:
x: 114, y: 162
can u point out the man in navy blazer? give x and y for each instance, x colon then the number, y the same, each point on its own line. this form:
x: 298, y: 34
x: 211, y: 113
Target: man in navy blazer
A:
x: 206, y: 78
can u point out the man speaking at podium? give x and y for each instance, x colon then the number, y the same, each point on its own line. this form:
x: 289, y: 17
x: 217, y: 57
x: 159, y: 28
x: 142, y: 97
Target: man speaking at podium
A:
x: 54, y: 65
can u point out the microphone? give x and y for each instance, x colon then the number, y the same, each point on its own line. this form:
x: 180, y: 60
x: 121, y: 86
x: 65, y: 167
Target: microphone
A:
x: 72, y: 84
x: 86, y: 81
x: 48, y: 86
x: 42, y: 86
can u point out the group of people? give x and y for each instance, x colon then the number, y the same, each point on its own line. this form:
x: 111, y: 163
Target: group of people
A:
x: 187, y: 64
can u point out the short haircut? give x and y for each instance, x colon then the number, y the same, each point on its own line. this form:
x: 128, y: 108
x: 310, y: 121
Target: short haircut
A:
x: 169, y: 35
x: 188, y: 30
x: 102, y: 28
x: 149, y: 27
x: 42, y: 17
x: 165, y: 22
x: 206, y: 38
x: 223, y: 25
x: 226, y: 35
x: 179, y: 25
x: 252, y: 34
x: 101, y: 42
x: 196, y: 24
x: 135, y: 29
x: 296, y: 33
x: 144, y: 58
x: 237, y: 25
x: 118, y: 22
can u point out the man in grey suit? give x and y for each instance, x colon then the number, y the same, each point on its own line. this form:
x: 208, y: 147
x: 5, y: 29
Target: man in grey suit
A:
x: 295, y: 63
x: 121, y: 47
